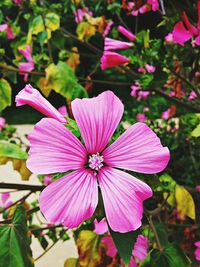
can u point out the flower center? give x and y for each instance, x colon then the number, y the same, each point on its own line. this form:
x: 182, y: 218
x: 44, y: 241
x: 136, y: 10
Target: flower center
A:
x: 95, y: 161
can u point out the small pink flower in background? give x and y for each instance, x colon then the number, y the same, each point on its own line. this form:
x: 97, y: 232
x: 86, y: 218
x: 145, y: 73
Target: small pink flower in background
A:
x: 2, y: 123
x: 141, y: 117
x: 126, y: 33
x: 47, y: 179
x: 144, y: 9
x: 110, y: 246
x: 145, y: 109
x: 32, y: 97
x: 63, y: 110
x: 73, y: 198
x: 112, y: 59
x: 169, y: 112
x: 135, y: 13
x: 26, y: 67
x: 150, y: 68
x: 18, y: 2
x: 4, y: 201
x: 169, y: 38
x: 143, y: 95
x: 141, y: 70
x: 140, y: 248
x: 101, y: 227
x: 81, y: 13
x: 197, y: 251
x: 182, y: 33
x: 172, y: 93
x: 108, y: 28
x: 112, y: 44
x: 192, y: 96
x: 7, y: 28
x: 198, y: 188
x: 135, y: 88
x: 154, y: 4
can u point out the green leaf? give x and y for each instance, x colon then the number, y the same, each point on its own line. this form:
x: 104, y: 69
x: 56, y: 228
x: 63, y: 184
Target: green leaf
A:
x: 14, y: 242
x: 71, y: 262
x: 171, y: 256
x: 124, y: 243
x: 62, y: 79
x: 162, y: 234
x: 196, y: 131
x: 12, y: 151
x: 73, y: 127
x: 5, y: 94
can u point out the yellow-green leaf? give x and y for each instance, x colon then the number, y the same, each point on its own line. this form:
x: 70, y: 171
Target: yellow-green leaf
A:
x: 85, y: 30
x: 185, y: 203
x: 5, y: 94
x: 71, y: 262
x: 196, y: 131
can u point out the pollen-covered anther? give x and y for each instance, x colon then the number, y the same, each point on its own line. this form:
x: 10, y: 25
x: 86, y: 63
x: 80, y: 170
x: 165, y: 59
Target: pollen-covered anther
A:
x: 95, y: 161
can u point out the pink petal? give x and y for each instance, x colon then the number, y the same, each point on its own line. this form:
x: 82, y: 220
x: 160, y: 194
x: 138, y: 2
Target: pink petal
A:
x: 123, y: 197
x: 110, y: 245
x: 71, y: 199
x: 108, y: 28
x: 112, y: 59
x: 53, y: 148
x: 2, y: 123
x: 126, y: 33
x: 32, y: 97
x: 27, y: 53
x: 112, y: 44
x: 26, y: 67
x: 193, y: 30
x: 180, y: 34
x: 100, y: 227
x: 10, y: 34
x: 140, y: 248
x: 4, y: 198
x: 3, y: 27
x: 138, y: 149
x: 97, y: 119
x: 63, y: 110
x: 197, y: 40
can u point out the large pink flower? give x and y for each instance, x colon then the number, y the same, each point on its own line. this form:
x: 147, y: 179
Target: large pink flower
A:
x: 112, y: 44
x: 74, y: 197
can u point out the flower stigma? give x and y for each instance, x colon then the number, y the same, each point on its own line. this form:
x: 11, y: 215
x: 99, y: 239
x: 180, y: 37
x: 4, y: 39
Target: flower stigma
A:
x: 95, y: 161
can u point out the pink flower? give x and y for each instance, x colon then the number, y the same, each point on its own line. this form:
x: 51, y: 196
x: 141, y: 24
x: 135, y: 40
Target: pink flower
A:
x: 32, y: 97
x: 63, y: 110
x: 182, y: 34
x: 7, y: 28
x: 47, y: 179
x: 26, y: 67
x: 143, y: 95
x: 73, y: 198
x: 112, y: 44
x: 154, y: 4
x: 141, y: 117
x: 198, y: 188
x: 169, y: 38
x: 101, y: 227
x: 169, y: 112
x: 81, y: 13
x: 140, y: 248
x: 5, y: 203
x: 192, y: 96
x: 150, y: 68
x: 108, y: 28
x: 2, y: 123
x: 18, y: 2
x: 141, y: 70
x: 143, y: 9
x: 112, y: 59
x: 110, y: 245
x: 126, y: 33
x: 145, y: 109
x: 135, y: 87
x: 197, y: 251
x: 134, y: 13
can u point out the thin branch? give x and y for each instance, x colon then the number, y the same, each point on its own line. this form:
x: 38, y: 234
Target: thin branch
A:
x: 22, y: 199
x: 46, y: 228
x: 10, y: 68
x: 45, y: 251
x: 106, y: 82
x: 155, y: 233
x: 32, y: 188
x: 177, y: 101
